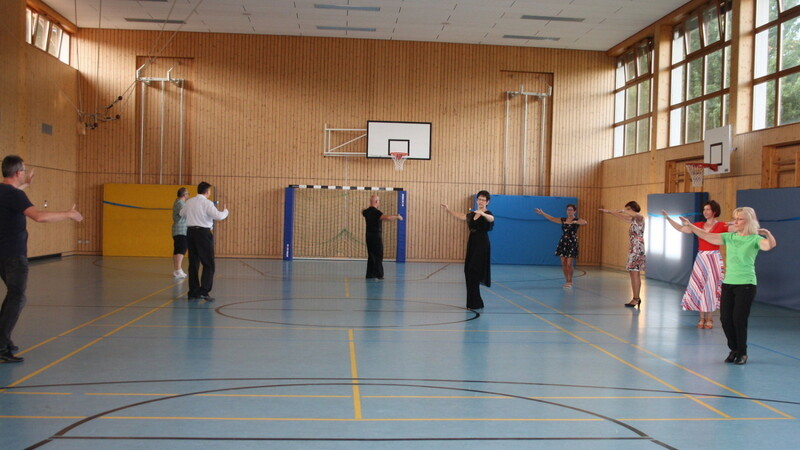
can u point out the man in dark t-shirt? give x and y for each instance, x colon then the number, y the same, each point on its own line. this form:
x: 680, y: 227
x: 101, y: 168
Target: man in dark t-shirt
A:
x: 15, y: 207
x: 374, y: 236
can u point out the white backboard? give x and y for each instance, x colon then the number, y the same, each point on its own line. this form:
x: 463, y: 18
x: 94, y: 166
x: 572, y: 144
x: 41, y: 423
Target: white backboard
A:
x: 413, y: 138
x: 717, y: 149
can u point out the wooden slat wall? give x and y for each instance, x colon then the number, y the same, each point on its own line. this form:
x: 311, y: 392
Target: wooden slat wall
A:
x: 37, y: 90
x: 259, y: 104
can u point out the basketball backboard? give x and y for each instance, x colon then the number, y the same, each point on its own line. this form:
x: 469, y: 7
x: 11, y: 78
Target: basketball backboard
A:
x: 717, y: 149
x: 384, y: 138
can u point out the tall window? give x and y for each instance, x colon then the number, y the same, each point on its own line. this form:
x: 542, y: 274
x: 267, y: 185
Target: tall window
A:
x: 776, y: 66
x: 700, y: 73
x: 633, y: 104
x: 47, y: 35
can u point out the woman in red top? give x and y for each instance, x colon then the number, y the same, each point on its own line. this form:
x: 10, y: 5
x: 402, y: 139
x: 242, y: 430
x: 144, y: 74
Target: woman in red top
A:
x: 705, y: 285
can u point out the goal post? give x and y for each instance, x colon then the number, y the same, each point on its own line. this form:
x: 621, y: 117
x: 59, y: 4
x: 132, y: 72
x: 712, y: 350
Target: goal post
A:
x: 325, y: 222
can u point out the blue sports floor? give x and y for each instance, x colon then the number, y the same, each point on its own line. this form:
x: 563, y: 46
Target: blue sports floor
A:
x: 309, y: 354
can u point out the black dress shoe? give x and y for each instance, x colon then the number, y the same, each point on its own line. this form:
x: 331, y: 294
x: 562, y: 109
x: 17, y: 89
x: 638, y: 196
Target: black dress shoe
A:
x: 12, y: 348
x: 731, y: 357
x: 8, y: 357
x: 208, y: 298
x: 741, y: 360
x: 195, y: 299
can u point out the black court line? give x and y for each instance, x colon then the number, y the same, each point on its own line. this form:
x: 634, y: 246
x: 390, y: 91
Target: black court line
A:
x: 642, y: 435
x: 475, y: 314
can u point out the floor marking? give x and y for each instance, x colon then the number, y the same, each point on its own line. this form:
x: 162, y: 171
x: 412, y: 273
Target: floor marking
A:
x: 354, y: 375
x: 94, y: 341
x: 642, y: 371
x: 86, y: 324
x: 601, y: 349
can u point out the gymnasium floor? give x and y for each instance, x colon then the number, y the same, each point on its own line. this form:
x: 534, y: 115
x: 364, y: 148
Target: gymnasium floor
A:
x: 308, y: 354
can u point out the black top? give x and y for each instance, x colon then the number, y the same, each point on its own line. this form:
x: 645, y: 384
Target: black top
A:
x: 373, y: 218
x: 13, y: 234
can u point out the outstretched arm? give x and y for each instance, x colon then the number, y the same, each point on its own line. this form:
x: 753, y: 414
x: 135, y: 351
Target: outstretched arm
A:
x: 620, y: 214
x: 479, y: 213
x: 674, y: 224
x: 548, y: 216
x: 457, y: 215
x: 53, y: 216
x: 711, y: 238
x: 391, y: 217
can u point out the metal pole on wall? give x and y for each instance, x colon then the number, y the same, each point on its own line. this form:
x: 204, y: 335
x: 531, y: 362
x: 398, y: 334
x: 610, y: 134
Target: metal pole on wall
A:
x: 180, y: 138
x: 161, y: 137
x: 141, y: 134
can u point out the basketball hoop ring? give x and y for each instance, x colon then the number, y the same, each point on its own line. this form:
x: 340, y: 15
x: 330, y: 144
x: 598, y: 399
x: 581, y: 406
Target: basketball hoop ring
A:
x: 697, y: 170
x: 399, y: 158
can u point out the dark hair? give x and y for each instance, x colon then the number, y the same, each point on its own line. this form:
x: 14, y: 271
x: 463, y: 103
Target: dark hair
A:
x: 633, y: 205
x: 714, y: 207
x: 182, y: 191
x: 11, y: 165
x: 484, y: 194
x: 203, y: 187
x: 573, y: 207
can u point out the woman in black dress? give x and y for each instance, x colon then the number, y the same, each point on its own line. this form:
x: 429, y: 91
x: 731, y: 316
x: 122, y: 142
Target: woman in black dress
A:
x: 567, y: 247
x: 477, y: 268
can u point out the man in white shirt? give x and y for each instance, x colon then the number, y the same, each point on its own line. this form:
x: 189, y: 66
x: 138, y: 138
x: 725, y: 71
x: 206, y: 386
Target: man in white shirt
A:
x: 200, y: 214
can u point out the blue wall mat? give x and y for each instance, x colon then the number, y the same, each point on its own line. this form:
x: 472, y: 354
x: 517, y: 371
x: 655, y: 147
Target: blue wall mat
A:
x: 670, y: 253
x: 520, y: 236
x: 778, y: 210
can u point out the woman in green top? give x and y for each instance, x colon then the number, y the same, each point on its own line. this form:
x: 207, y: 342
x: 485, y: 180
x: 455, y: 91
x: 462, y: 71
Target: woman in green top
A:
x: 742, y: 244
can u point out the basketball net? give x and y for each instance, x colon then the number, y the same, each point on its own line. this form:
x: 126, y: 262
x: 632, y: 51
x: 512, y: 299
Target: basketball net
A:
x: 399, y: 158
x: 697, y: 170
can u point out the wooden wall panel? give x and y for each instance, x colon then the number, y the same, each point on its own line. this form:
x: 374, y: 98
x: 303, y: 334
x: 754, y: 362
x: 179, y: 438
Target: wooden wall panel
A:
x: 259, y: 105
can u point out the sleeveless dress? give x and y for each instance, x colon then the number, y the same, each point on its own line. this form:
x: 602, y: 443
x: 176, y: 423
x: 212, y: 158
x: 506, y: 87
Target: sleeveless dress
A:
x: 568, y: 244
x: 636, y: 259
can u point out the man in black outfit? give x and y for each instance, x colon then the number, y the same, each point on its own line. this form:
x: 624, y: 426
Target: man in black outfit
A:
x: 14, y: 208
x: 200, y: 214
x: 374, y: 236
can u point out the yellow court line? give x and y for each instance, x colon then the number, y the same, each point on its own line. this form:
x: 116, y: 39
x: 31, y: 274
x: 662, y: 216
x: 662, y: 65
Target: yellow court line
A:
x: 354, y: 376
x: 86, y: 324
x: 642, y: 371
x: 94, y: 341
x: 601, y: 349
x: 346, y: 287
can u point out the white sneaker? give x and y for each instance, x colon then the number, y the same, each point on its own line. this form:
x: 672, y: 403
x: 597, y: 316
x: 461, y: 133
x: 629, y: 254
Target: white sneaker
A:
x: 179, y: 274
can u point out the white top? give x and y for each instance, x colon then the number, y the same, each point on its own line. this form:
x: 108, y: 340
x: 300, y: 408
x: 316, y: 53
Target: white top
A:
x: 201, y: 212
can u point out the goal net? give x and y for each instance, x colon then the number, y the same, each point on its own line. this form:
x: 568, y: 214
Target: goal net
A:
x: 326, y: 222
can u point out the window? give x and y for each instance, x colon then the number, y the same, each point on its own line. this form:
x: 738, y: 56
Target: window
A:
x: 47, y: 35
x: 700, y: 73
x: 633, y: 104
x: 776, y: 66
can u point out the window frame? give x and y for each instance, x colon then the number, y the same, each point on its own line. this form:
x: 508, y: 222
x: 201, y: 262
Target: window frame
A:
x: 773, y: 116
x: 41, y: 31
x: 641, y: 122
x: 689, y: 58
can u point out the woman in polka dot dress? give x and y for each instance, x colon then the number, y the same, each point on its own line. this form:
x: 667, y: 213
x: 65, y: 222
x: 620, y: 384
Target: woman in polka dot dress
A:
x: 567, y: 247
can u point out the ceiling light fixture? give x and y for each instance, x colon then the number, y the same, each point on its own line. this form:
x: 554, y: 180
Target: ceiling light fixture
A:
x: 348, y: 8
x: 128, y: 19
x: 327, y: 28
x: 532, y: 38
x: 552, y: 18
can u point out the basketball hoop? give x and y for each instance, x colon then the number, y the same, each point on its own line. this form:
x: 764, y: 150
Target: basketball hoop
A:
x: 697, y: 170
x: 399, y: 158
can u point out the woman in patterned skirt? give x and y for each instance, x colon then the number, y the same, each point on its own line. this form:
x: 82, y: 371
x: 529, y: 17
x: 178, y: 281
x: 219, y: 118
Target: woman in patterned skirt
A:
x: 567, y: 247
x: 637, y: 262
x: 705, y: 284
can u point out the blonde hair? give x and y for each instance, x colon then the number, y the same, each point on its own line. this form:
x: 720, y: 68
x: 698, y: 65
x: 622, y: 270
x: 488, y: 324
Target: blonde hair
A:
x: 752, y: 221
